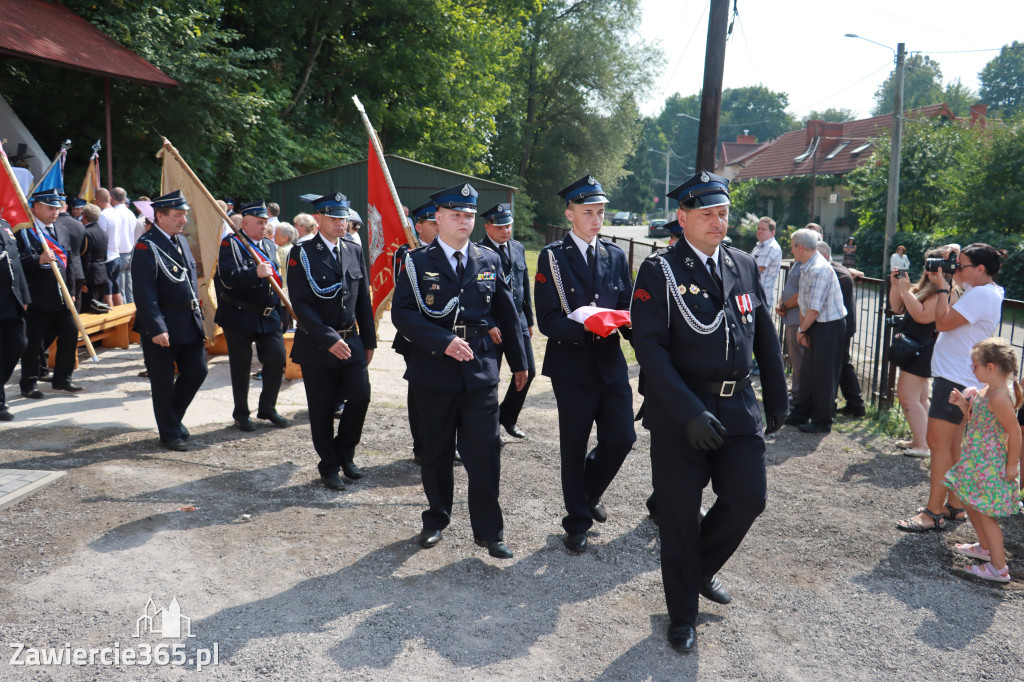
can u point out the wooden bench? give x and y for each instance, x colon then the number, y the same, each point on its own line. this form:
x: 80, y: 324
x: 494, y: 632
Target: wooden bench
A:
x: 113, y: 329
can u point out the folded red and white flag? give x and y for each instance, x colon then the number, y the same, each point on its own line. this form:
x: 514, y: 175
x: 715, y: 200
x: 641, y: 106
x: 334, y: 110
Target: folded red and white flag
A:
x: 601, y: 321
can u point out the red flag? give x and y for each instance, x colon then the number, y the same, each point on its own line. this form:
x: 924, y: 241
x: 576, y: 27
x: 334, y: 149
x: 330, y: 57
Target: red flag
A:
x: 11, y: 208
x: 386, y: 232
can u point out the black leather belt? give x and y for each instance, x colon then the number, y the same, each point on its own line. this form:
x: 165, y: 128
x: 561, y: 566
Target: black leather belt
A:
x: 469, y: 332
x: 191, y: 305
x: 345, y: 333
x: 265, y: 312
x: 722, y: 389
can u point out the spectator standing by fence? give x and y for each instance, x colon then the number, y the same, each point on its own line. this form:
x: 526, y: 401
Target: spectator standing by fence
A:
x: 768, y: 256
x: 962, y: 321
x: 900, y: 260
x: 850, y: 254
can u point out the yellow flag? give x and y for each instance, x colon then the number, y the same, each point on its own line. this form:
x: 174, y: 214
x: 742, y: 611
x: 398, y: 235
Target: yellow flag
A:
x: 91, y: 182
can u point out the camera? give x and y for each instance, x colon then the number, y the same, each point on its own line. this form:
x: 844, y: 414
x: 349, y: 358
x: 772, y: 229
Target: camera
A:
x: 948, y: 265
x: 896, y: 320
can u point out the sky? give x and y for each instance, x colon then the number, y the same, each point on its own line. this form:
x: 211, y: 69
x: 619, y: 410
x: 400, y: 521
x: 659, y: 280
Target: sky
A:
x: 798, y: 46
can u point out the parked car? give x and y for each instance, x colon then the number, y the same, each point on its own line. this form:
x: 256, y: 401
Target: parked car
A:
x: 657, y: 228
x: 622, y: 218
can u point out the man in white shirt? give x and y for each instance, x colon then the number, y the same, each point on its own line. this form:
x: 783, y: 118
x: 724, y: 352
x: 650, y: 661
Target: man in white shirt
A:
x: 768, y: 256
x: 118, y: 222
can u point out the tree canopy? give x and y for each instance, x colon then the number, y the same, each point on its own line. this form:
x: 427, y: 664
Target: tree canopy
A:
x: 1002, y: 81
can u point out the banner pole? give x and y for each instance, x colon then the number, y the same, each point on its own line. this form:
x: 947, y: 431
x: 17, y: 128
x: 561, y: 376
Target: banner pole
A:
x: 248, y: 247
x: 69, y: 302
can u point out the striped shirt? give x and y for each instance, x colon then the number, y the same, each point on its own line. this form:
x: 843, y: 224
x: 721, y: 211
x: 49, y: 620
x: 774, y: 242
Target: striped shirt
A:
x: 819, y: 290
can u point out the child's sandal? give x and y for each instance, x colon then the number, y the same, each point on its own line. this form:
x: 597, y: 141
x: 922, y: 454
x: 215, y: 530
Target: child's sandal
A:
x: 972, y: 550
x: 989, y: 572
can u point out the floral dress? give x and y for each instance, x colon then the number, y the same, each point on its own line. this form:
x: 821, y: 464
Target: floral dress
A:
x: 977, y: 478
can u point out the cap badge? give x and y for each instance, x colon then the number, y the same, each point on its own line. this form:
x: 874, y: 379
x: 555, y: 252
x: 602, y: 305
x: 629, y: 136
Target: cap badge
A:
x: 704, y: 177
x: 591, y: 180
x: 465, y: 190
x: 337, y: 196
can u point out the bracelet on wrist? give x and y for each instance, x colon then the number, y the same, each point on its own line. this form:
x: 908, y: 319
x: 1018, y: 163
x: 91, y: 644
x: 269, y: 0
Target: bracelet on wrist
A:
x: 942, y: 291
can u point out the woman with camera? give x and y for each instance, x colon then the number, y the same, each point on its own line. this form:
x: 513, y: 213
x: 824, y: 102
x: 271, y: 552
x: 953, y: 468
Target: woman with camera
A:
x: 916, y: 302
x: 961, y: 321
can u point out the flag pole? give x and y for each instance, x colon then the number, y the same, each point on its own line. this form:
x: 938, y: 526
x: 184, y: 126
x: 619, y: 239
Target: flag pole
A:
x: 68, y: 300
x: 387, y: 173
x: 248, y: 247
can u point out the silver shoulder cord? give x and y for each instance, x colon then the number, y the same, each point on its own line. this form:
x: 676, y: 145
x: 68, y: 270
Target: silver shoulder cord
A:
x: 672, y: 291
x: 318, y: 291
x: 10, y: 268
x: 160, y: 256
x: 410, y: 270
x: 556, y: 275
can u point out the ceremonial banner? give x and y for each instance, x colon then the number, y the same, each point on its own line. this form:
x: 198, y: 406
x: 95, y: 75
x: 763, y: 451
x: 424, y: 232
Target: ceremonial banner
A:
x: 53, y: 178
x: 91, y: 183
x: 11, y: 207
x: 386, y: 233
x: 203, y: 230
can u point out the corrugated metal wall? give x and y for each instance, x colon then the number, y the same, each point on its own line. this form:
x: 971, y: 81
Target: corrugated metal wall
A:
x: 414, y: 182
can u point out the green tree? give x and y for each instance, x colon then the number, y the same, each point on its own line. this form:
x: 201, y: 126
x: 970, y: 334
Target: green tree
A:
x: 922, y: 85
x: 831, y: 116
x: 1002, y: 81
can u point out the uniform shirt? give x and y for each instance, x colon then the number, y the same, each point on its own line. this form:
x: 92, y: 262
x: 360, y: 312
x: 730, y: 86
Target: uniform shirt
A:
x: 584, y: 246
x: 703, y: 257
x: 449, y: 252
x: 819, y: 290
x: 768, y: 255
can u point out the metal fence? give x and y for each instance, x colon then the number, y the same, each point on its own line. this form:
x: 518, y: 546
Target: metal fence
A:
x: 870, y: 347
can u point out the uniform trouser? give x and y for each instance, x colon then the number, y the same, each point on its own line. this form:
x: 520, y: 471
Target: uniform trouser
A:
x: 584, y: 478
x: 326, y: 388
x: 819, y: 376
x: 414, y: 422
x: 172, y: 396
x: 796, y: 356
x: 691, y: 548
x: 12, y: 344
x: 471, y: 417
x: 848, y: 382
x: 270, y: 348
x: 49, y: 324
x: 512, y: 405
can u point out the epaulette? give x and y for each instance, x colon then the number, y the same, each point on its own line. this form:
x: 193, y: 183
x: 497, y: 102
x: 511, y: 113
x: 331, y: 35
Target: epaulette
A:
x: 484, y: 246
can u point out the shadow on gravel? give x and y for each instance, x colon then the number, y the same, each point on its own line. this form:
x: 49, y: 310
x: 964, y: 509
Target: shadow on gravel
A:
x: 472, y: 612
x: 638, y: 661
x: 886, y: 471
x: 264, y: 491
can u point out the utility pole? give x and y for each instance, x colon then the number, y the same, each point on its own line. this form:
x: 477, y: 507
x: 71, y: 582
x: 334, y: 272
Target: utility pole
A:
x: 892, y: 205
x: 711, y: 96
x: 668, y: 155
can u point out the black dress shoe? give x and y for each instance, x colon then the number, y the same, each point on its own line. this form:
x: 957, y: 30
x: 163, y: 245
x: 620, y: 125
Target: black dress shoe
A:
x: 793, y: 419
x: 853, y: 410
x: 429, y: 537
x: 178, y: 445
x: 713, y: 589
x: 185, y: 435
x: 333, y: 481
x: 351, y: 470
x: 274, y: 418
x: 811, y: 427
x: 35, y: 394
x: 496, y: 548
x: 514, y: 431
x: 69, y: 387
x: 45, y: 374
x: 245, y: 424
x: 598, y: 511
x: 5, y: 415
x: 682, y: 637
x: 576, y: 542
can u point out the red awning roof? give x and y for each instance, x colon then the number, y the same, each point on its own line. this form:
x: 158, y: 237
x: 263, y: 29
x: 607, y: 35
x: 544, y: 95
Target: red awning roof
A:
x: 47, y: 32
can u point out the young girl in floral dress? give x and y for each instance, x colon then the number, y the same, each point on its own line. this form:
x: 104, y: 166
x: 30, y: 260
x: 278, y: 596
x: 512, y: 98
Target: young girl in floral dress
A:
x: 986, y: 477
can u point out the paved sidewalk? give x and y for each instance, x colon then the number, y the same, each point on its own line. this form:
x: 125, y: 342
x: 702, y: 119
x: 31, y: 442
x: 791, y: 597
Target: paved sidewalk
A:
x: 17, y: 484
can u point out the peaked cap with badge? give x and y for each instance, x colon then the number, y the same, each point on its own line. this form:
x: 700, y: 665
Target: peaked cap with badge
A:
x: 499, y: 214
x: 257, y: 209
x: 424, y: 212
x: 47, y: 197
x: 333, y: 205
x: 460, y: 197
x: 703, y: 190
x: 586, y: 190
x: 173, y: 199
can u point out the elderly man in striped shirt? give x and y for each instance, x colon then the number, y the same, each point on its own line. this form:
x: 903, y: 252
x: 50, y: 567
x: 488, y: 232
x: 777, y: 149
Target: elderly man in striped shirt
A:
x: 822, y: 333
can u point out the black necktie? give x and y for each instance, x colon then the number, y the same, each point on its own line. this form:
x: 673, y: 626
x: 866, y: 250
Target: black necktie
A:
x: 504, y: 254
x: 714, y: 273
x: 460, y: 269
x: 591, y: 260
x: 177, y: 245
x: 337, y: 256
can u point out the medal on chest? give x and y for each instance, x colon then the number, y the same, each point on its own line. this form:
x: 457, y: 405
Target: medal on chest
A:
x: 746, y: 307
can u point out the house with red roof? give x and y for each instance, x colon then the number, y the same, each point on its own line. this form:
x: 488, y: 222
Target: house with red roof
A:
x: 807, y: 168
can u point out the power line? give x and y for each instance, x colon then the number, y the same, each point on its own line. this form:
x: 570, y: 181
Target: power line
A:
x: 839, y: 92
x: 696, y: 26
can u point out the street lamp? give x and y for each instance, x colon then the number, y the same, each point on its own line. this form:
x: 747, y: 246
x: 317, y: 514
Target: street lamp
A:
x: 668, y: 155
x: 892, y: 202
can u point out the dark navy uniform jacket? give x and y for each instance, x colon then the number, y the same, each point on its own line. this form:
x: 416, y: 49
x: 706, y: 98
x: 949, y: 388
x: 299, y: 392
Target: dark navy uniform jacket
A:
x: 401, y: 344
x: 42, y: 285
x: 677, y: 361
x: 328, y: 298
x: 481, y: 299
x: 71, y: 234
x: 94, y: 258
x: 12, y: 276
x: 517, y: 276
x: 165, y: 288
x: 573, y: 354
x: 243, y: 298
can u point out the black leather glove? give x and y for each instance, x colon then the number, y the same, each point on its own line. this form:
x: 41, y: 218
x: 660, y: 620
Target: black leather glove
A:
x: 773, y: 422
x: 705, y: 432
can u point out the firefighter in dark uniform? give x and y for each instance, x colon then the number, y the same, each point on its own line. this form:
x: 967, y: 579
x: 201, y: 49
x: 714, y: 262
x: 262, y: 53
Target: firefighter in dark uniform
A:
x: 48, y: 315
x: 426, y: 232
x: 588, y: 372
x: 168, y: 317
x: 249, y: 312
x: 498, y: 224
x: 699, y: 315
x: 447, y: 298
x: 14, y: 300
x: 334, y: 344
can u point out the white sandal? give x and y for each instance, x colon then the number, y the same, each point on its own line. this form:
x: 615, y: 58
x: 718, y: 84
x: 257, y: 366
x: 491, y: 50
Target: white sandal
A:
x: 989, y: 572
x: 972, y: 550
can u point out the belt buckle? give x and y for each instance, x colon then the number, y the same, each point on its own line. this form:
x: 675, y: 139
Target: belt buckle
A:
x: 456, y: 329
x: 727, y: 385
x: 268, y: 311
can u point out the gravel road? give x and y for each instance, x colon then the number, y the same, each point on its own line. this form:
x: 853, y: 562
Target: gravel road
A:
x: 290, y: 581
